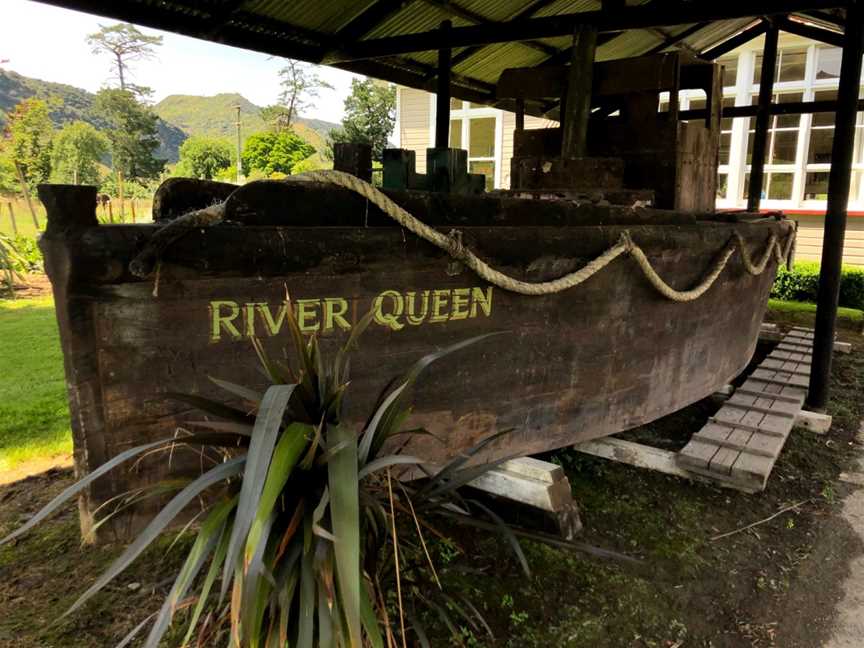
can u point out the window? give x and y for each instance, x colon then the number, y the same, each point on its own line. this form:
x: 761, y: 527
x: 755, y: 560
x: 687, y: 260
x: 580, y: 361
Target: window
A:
x: 791, y: 66
x: 798, y: 148
x: 475, y: 127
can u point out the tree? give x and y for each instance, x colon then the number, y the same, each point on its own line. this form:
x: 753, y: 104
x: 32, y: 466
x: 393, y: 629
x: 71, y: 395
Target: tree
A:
x: 76, y: 153
x: 370, y: 114
x: 274, y: 152
x: 131, y: 134
x: 124, y: 43
x: 203, y: 157
x: 28, y: 141
x: 276, y: 117
x: 300, y: 85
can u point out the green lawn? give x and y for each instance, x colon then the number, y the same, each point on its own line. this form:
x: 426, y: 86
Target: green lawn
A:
x: 802, y: 313
x: 34, y: 415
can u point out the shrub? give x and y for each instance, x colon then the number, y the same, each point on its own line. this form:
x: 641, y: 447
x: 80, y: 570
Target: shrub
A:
x: 299, y: 539
x: 802, y: 284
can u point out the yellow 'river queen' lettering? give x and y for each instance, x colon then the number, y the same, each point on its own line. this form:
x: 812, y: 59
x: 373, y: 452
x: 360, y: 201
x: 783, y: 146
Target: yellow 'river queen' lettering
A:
x: 392, y: 309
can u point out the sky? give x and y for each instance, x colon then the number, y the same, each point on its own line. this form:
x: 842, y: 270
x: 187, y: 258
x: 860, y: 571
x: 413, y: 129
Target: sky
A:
x: 49, y: 43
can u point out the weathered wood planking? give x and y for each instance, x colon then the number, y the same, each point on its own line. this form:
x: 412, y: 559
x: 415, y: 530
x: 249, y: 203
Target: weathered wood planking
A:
x: 607, y: 356
x: 741, y: 443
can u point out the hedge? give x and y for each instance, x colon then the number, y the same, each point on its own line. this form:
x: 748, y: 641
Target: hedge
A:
x: 802, y: 284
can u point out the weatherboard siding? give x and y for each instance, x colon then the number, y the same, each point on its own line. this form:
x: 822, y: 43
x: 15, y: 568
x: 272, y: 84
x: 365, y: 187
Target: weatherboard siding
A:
x: 809, y: 241
x: 414, y: 123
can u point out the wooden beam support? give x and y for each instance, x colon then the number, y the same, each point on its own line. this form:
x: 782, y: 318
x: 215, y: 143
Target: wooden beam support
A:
x: 369, y: 19
x: 631, y: 17
x: 457, y: 11
x: 839, y: 182
x: 812, y: 32
x: 574, y: 132
x: 760, y: 137
x: 791, y: 108
x: 739, y: 39
x: 442, y: 94
x: 814, y: 421
x: 677, y: 38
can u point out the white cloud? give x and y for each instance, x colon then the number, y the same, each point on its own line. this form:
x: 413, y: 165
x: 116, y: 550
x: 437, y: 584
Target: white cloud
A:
x: 49, y: 43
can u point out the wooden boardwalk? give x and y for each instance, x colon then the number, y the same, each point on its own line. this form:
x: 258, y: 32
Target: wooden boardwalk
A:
x: 740, y: 443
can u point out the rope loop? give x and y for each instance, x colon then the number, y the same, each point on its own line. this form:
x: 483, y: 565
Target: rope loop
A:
x: 453, y: 245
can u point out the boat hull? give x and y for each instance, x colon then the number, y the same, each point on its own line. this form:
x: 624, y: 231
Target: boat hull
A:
x: 600, y: 358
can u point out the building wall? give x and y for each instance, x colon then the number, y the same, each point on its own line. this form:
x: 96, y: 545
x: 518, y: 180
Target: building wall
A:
x: 415, y: 129
x: 796, y: 169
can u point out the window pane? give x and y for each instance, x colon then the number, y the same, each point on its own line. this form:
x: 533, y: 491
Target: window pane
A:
x: 487, y: 168
x: 821, y: 140
x: 722, y: 185
x: 481, y: 137
x: 730, y: 70
x: 776, y: 186
x: 816, y: 186
x: 828, y: 62
x: 826, y: 118
x: 788, y: 121
x: 779, y: 185
x: 455, y: 104
x: 455, y: 133
x: 790, y: 66
x: 783, y: 147
x: 725, y: 146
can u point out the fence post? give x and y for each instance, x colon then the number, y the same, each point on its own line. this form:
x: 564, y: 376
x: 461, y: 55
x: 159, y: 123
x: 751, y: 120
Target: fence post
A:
x: 132, y: 205
x: 12, y: 218
x: 110, y: 213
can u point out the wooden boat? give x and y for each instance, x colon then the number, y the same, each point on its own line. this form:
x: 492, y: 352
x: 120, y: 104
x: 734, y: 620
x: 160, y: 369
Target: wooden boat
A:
x: 607, y: 355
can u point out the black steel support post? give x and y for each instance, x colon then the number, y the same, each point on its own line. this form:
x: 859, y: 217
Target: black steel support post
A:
x: 442, y: 104
x: 763, y: 116
x: 839, y: 181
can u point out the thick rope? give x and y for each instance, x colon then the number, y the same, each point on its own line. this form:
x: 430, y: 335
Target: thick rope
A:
x: 452, y: 244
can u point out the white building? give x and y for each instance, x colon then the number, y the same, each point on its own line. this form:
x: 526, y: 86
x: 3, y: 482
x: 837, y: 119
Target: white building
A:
x: 798, y: 151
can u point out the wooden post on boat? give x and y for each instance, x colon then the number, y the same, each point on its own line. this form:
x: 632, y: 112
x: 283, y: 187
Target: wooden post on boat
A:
x: 12, y: 218
x: 353, y: 158
x: 442, y: 97
x: 574, y: 134
x: 839, y: 182
x: 763, y: 116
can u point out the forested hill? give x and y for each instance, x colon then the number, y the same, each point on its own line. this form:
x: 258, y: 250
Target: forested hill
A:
x: 180, y: 115
x: 216, y: 116
x: 69, y: 103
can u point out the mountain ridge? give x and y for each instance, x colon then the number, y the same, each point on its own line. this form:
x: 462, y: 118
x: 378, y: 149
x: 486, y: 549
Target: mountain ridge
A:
x: 180, y: 116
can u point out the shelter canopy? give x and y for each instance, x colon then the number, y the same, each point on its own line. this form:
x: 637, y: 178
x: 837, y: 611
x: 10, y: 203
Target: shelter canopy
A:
x: 396, y: 40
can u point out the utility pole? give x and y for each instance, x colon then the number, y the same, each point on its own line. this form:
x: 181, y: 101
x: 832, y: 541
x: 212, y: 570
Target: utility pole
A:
x: 239, y: 166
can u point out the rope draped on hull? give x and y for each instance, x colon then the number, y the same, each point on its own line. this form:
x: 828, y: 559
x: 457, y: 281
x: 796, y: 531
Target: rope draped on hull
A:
x: 142, y: 266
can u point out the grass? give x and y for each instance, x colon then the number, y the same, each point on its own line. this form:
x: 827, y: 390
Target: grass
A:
x: 802, y: 313
x: 34, y: 415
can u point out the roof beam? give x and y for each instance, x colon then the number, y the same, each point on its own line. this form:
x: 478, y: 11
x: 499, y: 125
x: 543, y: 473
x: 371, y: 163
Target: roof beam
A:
x: 636, y: 17
x: 810, y: 31
x: 369, y: 19
x: 453, y: 9
x: 677, y: 38
x: 754, y: 31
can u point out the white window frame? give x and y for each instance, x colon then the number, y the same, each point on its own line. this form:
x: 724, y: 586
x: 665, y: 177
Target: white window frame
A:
x: 737, y: 168
x: 465, y: 114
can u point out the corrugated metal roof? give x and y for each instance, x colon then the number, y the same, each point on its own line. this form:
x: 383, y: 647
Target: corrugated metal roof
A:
x: 308, y: 29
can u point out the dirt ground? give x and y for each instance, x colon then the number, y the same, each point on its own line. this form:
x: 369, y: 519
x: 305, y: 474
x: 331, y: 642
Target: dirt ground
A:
x: 775, y: 585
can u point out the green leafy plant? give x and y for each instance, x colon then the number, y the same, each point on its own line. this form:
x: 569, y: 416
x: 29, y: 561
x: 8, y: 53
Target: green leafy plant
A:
x: 802, y: 284
x: 306, y: 530
x: 12, y: 264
